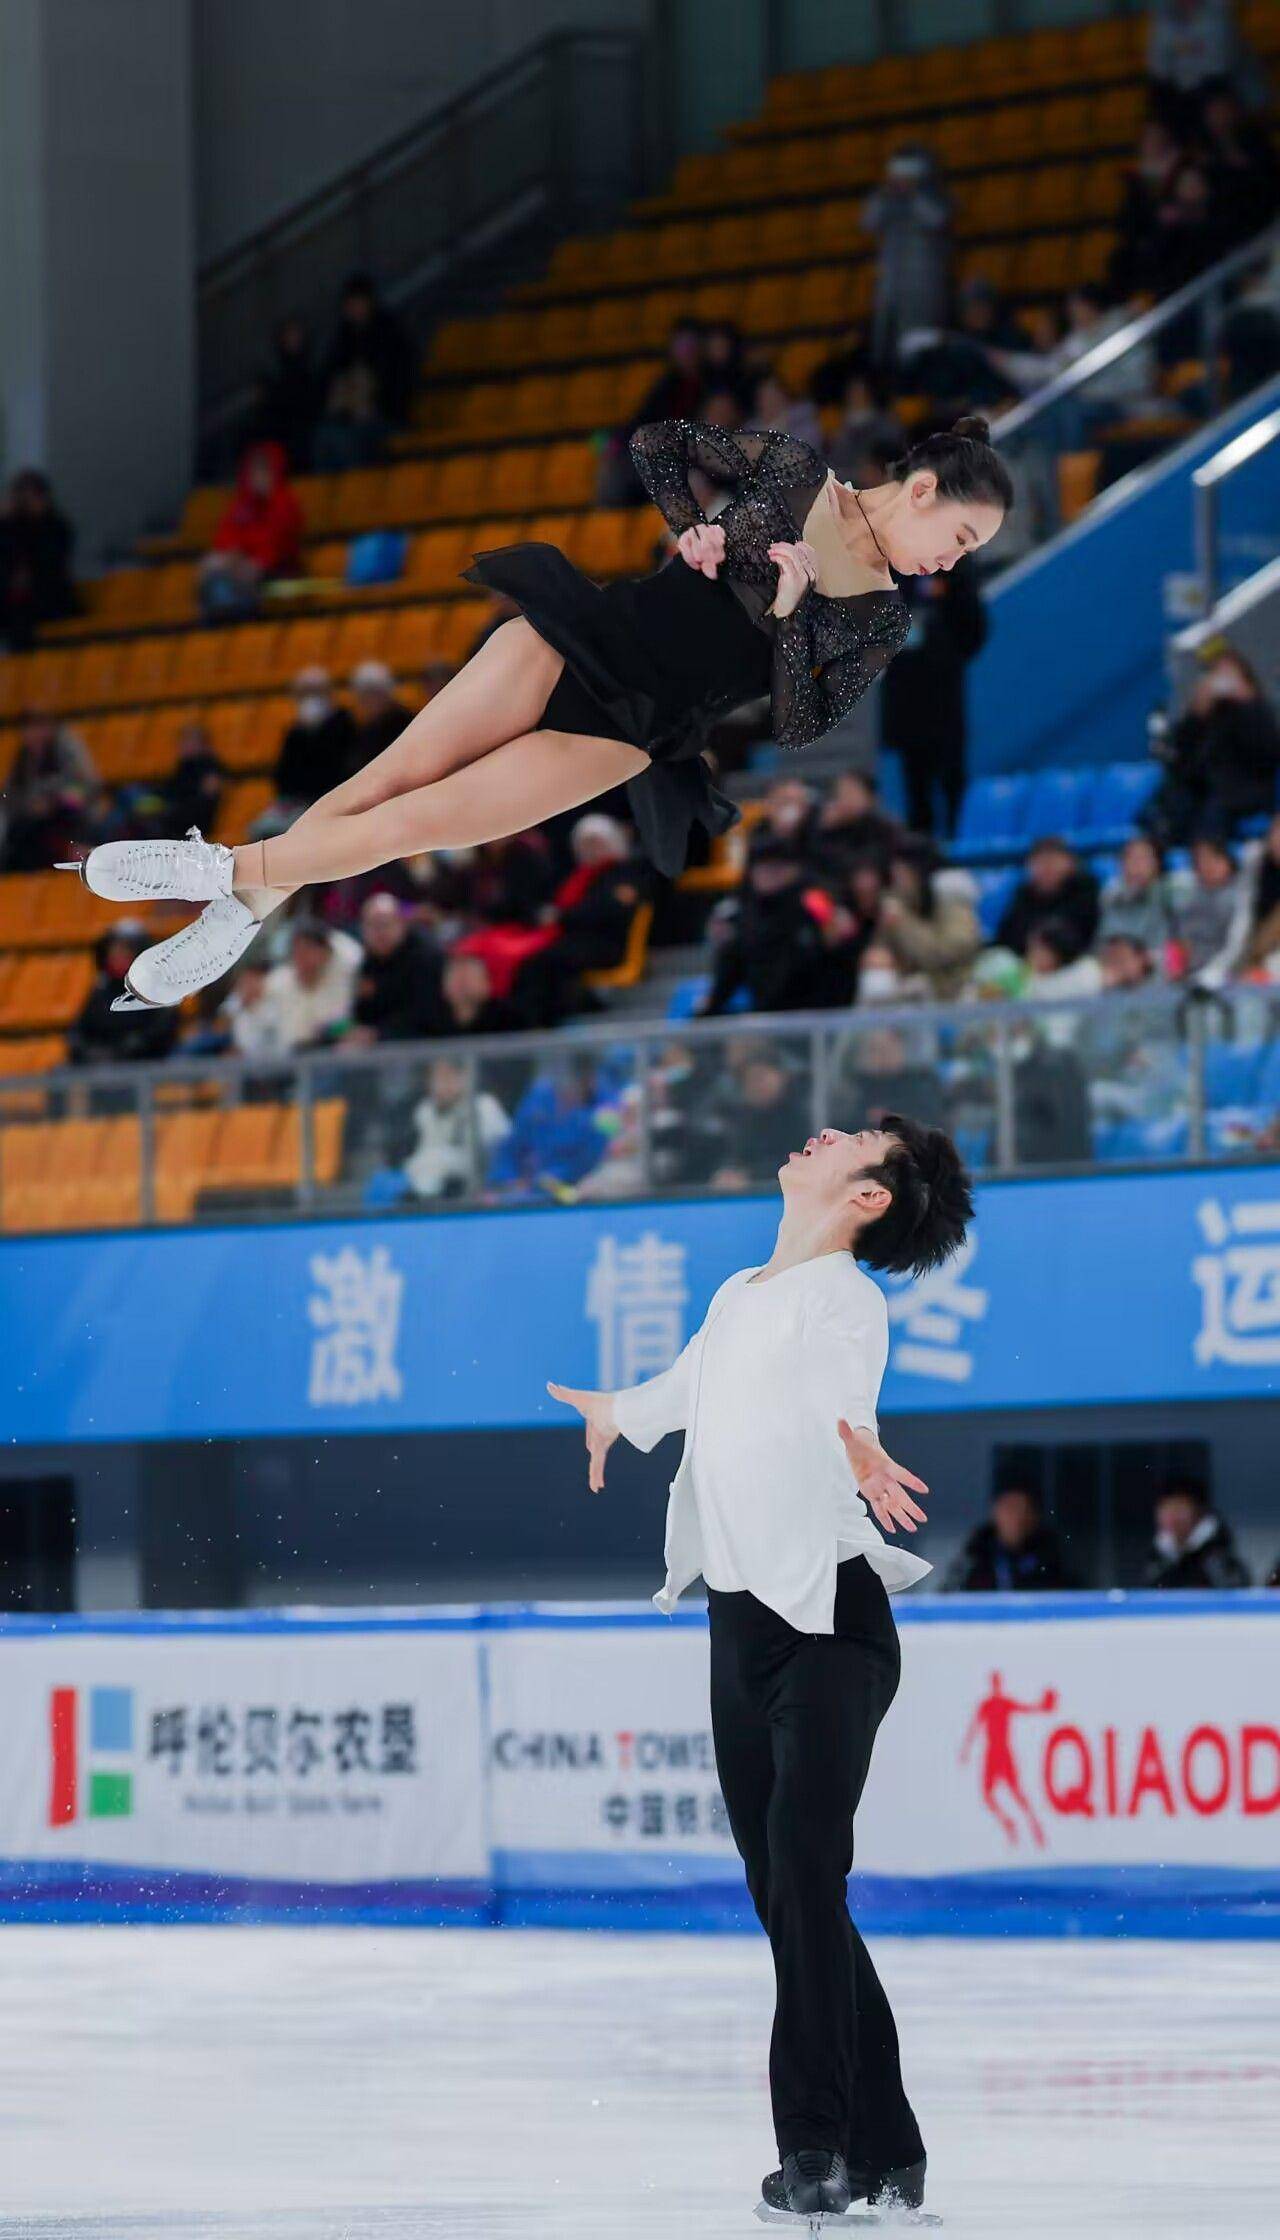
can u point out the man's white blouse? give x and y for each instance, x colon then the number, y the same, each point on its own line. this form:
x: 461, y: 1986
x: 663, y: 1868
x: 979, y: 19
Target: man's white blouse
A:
x: 764, y: 1497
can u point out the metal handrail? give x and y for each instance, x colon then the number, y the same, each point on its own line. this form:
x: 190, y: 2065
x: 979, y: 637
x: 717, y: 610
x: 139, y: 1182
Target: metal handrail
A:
x: 1206, y: 483
x: 392, y: 152
x: 826, y: 1038
x: 1137, y: 331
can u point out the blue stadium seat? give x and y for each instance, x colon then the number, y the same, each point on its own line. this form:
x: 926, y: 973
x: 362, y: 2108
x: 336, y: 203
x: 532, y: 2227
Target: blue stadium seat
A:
x: 688, y: 994
x: 1231, y: 1073
x: 1119, y: 791
x: 1058, y: 801
x: 994, y: 890
x: 991, y: 818
x: 1268, y: 1084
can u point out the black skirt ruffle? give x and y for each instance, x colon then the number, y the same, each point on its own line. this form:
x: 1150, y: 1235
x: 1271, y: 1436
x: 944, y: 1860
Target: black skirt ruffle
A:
x: 648, y: 660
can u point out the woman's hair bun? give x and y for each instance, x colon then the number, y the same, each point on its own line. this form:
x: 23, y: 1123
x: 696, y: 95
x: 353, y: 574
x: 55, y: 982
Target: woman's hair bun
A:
x: 974, y: 427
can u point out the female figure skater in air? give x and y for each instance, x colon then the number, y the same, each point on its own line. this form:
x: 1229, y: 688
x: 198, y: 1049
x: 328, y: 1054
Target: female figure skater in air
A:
x: 790, y: 591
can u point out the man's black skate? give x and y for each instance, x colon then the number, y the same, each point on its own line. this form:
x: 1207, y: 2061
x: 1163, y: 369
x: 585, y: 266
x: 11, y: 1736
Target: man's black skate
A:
x: 893, y: 2197
x: 812, y: 2184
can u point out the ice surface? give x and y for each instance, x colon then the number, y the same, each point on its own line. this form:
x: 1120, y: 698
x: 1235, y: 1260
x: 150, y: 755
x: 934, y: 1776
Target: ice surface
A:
x: 316, y: 2084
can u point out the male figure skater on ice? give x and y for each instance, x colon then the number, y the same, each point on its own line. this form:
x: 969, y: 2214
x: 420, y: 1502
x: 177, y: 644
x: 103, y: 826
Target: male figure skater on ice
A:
x: 781, y: 1477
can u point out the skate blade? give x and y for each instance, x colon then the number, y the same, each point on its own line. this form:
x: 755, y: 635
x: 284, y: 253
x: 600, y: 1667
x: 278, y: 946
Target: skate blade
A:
x: 857, y: 2216
x: 77, y: 867
x: 130, y: 1000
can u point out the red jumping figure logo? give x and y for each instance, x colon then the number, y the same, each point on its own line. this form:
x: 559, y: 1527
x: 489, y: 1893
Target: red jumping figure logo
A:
x: 993, y: 1721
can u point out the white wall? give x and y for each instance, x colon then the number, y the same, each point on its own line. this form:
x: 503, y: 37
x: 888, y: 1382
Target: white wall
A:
x: 289, y: 91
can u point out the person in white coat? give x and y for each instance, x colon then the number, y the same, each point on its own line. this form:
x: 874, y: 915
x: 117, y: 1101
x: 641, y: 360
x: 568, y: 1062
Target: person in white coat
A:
x: 781, y: 1489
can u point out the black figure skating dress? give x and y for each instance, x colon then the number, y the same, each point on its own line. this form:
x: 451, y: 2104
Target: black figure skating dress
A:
x: 657, y: 659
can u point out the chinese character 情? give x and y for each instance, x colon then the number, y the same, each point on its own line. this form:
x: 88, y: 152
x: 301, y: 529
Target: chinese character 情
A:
x: 636, y: 1296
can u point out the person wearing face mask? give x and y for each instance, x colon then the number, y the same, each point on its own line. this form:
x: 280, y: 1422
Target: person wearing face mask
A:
x: 316, y: 750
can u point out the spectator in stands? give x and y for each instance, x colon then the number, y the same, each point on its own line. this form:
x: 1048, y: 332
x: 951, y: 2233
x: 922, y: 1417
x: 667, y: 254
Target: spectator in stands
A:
x: 99, y: 1037
x: 909, y: 217
x: 51, y: 779
x: 876, y: 1074
x: 258, y: 538
x: 773, y: 406
x: 1128, y: 381
x: 1136, y: 1068
x: 1135, y: 261
x: 923, y: 715
x: 36, y: 541
x: 1192, y: 1546
x: 1057, y: 971
x: 558, y: 1133
x: 1260, y: 881
x: 311, y: 996
x: 1190, y: 239
x: 590, y: 920
x: 1241, y: 164
x: 1222, y: 756
x: 464, y: 1002
x: 929, y: 922
x: 192, y: 793
x: 725, y: 371
x: 789, y: 810
x: 1207, y: 915
x: 851, y: 826
x: 395, y: 993
x: 766, y: 1117
x: 511, y: 881
x: 1135, y: 902
x: 788, y: 945
x: 1191, y: 53
x: 1013, y: 1552
x: 366, y: 381
x: 288, y: 396
x: 379, y: 716
x: 252, y: 1017
x: 1055, y: 884
x: 316, y: 753
x: 883, y: 980
x: 1051, y: 1121
x: 1126, y: 962
x: 675, y: 395
x: 955, y: 369
x: 457, y: 1129
x: 1250, y: 331
x: 868, y: 428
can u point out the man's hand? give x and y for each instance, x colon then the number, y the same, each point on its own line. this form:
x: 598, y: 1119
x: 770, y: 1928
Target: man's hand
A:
x: 702, y: 546
x: 596, y: 1410
x: 881, y: 1481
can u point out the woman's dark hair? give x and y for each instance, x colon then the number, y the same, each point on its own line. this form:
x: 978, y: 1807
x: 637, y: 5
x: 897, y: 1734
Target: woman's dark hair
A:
x: 932, y: 1201
x: 965, y: 463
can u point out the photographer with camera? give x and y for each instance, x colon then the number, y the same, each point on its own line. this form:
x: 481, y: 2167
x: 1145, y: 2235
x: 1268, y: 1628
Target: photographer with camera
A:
x: 1221, y: 756
x: 910, y: 217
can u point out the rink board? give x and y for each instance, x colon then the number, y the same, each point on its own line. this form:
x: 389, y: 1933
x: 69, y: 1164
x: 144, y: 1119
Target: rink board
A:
x: 1086, y: 1763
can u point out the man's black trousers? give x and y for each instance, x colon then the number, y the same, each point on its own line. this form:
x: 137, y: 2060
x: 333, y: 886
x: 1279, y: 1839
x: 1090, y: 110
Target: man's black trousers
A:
x: 794, y: 1716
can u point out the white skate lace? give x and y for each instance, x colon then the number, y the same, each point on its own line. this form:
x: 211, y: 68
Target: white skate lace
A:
x: 187, y: 954
x: 162, y: 863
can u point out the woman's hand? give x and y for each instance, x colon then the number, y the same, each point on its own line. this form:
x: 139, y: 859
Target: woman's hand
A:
x: 882, y: 1482
x: 702, y: 546
x: 596, y: 1410
x: 797, y: 566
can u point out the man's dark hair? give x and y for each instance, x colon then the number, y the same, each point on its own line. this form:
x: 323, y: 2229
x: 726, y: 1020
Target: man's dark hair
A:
x: 1186, y: 1483
x: 932, y: 1201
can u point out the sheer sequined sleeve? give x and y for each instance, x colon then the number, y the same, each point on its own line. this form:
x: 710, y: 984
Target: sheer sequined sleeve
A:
x: 810, y: 695
x: 664, y: 452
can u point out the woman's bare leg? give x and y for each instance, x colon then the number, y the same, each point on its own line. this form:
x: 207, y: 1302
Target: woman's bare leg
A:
x: 513, y: 786
x: 496, y: 696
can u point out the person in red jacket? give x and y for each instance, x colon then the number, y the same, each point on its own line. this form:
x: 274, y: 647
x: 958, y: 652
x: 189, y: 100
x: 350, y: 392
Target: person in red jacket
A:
x: 258, y: 536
